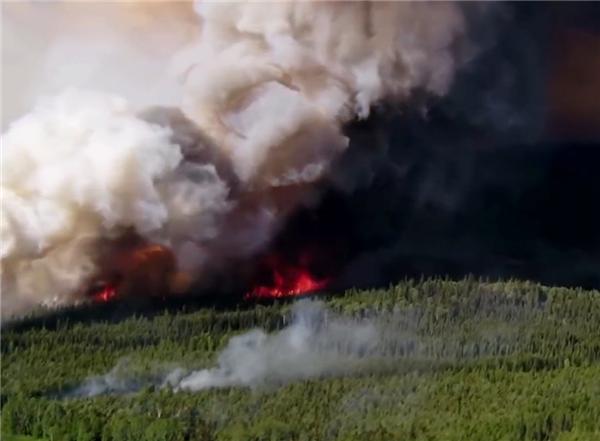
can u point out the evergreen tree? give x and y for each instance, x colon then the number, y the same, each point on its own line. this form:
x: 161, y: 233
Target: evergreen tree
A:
x: 119, y: 427
x: 165, y: 429
x: 11, y: 417
x: 138, y: 425
x: 54, y: 421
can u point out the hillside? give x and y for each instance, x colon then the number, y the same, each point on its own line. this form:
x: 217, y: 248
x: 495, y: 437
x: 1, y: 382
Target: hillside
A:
x: 421, y: 361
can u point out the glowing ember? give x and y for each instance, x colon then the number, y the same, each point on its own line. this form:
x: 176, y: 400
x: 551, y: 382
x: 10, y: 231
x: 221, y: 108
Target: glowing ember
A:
x: 288, y: 280
x: 107, y: 293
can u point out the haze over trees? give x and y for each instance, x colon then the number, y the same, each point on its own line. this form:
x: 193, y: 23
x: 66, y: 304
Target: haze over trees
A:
x: 446, y: 360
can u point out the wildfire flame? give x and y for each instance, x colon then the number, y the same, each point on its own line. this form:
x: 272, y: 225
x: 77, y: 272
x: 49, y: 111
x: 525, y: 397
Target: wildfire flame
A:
x: 287, y: 279
x: 151, y: 270
x: 107, y: 293
x: 147, y: 269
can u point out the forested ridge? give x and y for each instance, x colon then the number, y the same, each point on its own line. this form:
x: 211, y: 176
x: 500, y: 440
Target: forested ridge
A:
x: 464, y: 360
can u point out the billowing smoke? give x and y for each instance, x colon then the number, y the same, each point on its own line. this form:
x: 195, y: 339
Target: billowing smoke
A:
x: 198, y: 126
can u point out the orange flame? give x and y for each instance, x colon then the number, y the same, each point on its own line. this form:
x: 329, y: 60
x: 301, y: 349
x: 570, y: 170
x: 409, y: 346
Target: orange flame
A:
x: 151, y: 270
x: 288, y: 280
x: 143, y: 256
x: 147, y: 270
x: 107, y: 293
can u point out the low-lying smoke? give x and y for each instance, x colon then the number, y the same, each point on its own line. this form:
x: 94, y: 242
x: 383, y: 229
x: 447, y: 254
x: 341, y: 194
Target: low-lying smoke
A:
x: 258, y: 96
x: 315, y: 344
x: 319, y: 342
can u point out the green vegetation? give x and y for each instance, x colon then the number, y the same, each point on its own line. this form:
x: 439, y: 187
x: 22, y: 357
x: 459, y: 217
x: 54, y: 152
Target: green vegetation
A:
x: 460, y: 361
x: 18, y: 438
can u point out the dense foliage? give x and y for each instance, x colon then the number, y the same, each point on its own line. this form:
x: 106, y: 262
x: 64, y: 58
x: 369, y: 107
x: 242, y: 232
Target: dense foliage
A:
x: 461, y: 361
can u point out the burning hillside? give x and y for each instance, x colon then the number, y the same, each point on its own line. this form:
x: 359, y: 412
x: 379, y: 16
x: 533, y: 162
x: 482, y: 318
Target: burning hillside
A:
x: 275, y: 143
x: 280, y: 279
x: 268, y: 86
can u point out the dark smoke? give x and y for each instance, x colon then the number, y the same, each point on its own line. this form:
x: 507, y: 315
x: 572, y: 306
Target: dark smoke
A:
x: 476, y: 184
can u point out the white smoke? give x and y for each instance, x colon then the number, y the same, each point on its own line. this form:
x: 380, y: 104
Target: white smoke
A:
x: 82, y: 166
x: 317, y: 343
x: 109, y: 46
x: 268, y: 85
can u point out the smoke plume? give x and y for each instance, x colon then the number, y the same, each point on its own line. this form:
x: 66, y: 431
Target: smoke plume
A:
x: 316, y: 343
x: 198, y: 126
x: 319, y: 341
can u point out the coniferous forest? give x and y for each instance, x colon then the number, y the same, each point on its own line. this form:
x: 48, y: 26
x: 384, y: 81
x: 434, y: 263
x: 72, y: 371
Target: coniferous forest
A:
x: 427, y: 360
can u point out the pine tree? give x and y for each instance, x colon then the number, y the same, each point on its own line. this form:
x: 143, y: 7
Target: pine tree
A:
x: 54, y: 420
x: 11, y: 417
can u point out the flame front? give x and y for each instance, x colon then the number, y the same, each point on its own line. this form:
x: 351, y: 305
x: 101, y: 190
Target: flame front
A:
x: 144, y: 270
x: 108, y: 292
x: 174, y: 113
x: 288, y: 279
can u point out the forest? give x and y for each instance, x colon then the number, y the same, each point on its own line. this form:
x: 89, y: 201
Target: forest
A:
x: 423, y: 360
